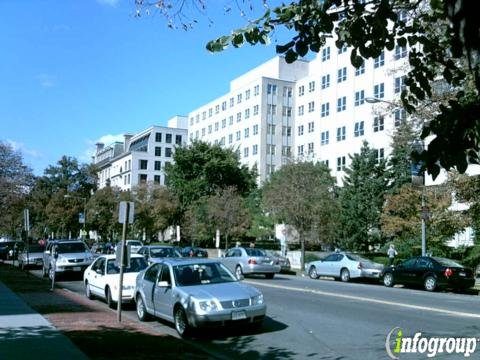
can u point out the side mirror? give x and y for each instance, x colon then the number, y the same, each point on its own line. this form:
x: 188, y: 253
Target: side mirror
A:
x: 163, y: 284
x: 241, y: 277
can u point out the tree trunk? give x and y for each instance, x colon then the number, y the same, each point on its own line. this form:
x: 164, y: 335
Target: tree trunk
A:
x: 302, y: 256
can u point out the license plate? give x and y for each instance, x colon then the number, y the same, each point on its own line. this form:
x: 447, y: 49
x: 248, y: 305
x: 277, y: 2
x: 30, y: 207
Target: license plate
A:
x: 239, y: 315
x: 77, y: 268
x: 461, y: 273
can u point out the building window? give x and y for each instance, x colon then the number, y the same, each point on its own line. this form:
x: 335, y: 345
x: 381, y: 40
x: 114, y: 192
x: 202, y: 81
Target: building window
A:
x: 341, y: 163
x: 143, y: 164
x: 246, y: 133
x: 247, y: 113
x: 224, y: 123
x: 158, y: 165
x: 325, y: 138
x: 272, y: 89
x: 325, y: 81
x: 341, y: 133
x: 300, y: 110
x: 341, y: 104
x: 168, y: 138
x: 271, y: 129
x: 216, y: 126
x: 359, y: 98
x: 232, y: 102
x: 204, y: 115
x: 191, y: 123
x: 300, y: 130
x: 311, y: 127
x: 359, y: 129
x: 325, y: 110
x: 400, y: 52
x: 209, y: 129
x: 342, y: 49
x: 197, y: 118
x: 224, y: 105
x: 255, y: 129
x: 300, y: 150
x: 156, y: 179
x: 301, y: 90
x: 379, y: 91
x: 360, y: 70
x: 178, y: 139
x: 270, y: 149
x: 400, y: 116
x: 239, y: 116
x: 379, y: 61
x: 287, y: 92
x: 238, y: 135
x: 245, y: 152
x: 311, y: 86
x: 230, y: 138
x: 287, y: 111
x: 286, y: 150
x: 256, y: 90
x: 158, y: 151
x: 326, y: 53
x: 400, y: 84
x: 158, y: 137
x: 230, y: 120
x: 378, y: 123
x: 342, y: 75
x: 255, y: 149
x: 168, y: 152
x: 311, y: 106
x: 286, y: 130
x: 272, y: 109
x: 379, y: 155
x: 239, y: 98
x: 142, y: 178
x: 255, y: 110
x: 247, y: 94
x: 310, y: 148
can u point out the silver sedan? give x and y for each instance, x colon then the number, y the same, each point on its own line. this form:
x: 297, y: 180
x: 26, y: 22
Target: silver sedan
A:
x: 344, y: 266
x: 194, y: 293
x: 246, y: 261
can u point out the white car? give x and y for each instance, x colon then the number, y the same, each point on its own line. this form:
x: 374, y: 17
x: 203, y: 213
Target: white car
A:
x: 101, y: 278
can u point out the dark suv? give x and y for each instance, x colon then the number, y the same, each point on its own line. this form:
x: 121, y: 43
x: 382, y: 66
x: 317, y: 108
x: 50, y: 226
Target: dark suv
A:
x: 73, y: 256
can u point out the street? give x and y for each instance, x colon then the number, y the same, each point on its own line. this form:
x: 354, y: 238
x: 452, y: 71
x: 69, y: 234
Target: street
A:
x: 324, y: 319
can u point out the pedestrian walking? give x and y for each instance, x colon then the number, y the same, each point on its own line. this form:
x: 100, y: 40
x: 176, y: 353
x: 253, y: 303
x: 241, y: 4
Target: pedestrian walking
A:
x: 391, y: 252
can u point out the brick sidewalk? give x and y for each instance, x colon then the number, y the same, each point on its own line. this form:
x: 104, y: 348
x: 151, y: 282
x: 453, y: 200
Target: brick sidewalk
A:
x: 91, y: 326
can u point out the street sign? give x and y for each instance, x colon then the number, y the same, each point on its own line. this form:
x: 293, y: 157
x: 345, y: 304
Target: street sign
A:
x: 122, y: 212
x: 425, y: 213
x: 81, y: 218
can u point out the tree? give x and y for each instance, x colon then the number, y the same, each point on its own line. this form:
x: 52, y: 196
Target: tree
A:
x: 262, y: 225
x: 102, y: 212
x: 443, y: 50
x: 303, y: 195
x: 361, y: 200
x: 201, y: 169
x: 16, y: 180
x: 227, y: 212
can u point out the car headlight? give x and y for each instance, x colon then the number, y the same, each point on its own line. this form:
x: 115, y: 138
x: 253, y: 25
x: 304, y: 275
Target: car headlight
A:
x: 207, y: 306
x: 257, y: 300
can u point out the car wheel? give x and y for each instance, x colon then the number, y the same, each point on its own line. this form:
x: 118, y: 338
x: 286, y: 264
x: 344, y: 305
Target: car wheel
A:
x: 269, y: 276
x: 345, y: 275
x: 312, y: 272
x: 430, y: 283
x: 141, y: 309
x: 110, y: 302
x: 88, y: 293
x: 388, y: 280
x: 181, y: 322
x: 239, y: 272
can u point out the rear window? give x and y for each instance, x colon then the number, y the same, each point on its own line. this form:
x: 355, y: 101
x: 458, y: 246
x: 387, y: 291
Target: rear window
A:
x: 448, y: 262
x: 134, y: 243
x: 255, y: 252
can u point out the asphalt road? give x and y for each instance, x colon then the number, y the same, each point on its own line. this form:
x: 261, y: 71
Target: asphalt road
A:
x: 324, y: 319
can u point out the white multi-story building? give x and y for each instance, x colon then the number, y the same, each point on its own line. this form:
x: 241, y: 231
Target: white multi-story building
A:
x: 141, y: 157
x: 255, y: 118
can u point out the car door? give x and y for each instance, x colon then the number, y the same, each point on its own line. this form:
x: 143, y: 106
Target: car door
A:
x: 148, y: 283
x: 405, y: 272
x: 162, y: 293
x: 96, y: 276
x: 231, y: 259
x: 325, y: 266
x: 421, y: 267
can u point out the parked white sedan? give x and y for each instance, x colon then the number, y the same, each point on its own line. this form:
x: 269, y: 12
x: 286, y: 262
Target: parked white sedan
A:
x: 344, y: 266
x: 102, y: 277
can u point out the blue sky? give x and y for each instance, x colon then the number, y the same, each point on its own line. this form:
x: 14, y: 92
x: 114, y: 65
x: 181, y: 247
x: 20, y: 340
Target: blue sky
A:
x: 75, y: 72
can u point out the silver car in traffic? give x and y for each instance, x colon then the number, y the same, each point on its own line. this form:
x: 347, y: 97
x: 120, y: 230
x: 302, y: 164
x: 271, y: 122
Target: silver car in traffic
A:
x: 344, y: 266
x: 193, y: 293
x: 247, y: 261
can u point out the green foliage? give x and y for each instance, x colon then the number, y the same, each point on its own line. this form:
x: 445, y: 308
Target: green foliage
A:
x: 200, y: 169
x: 361, y: 200
x: 262, y: 225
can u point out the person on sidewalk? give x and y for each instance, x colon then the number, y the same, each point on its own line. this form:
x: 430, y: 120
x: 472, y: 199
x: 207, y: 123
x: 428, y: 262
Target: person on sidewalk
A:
x: 391, y: 252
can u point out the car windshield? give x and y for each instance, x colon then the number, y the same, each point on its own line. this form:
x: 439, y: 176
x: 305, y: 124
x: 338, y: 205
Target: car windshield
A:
x: 65, y: 248
x: 255, y: 252
x: 203, y: 273
x: 34, y: 248
x: 163, y: 252
x: 448, y: 262
x: 137, y: 264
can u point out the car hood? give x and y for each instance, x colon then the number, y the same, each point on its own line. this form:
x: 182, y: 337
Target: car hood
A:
x: 221, y: 292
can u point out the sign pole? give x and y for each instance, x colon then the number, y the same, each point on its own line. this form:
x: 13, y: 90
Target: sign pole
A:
x: 122, y: 262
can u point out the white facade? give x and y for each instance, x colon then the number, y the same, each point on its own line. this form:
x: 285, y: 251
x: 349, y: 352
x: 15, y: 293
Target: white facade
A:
x: 255, y: 118
x: 141, y: 157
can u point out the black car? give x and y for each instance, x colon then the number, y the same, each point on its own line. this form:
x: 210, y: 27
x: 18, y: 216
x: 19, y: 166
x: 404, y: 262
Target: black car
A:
x: 430, y: 272
x: 192, y: 251
x: 9, y: 249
